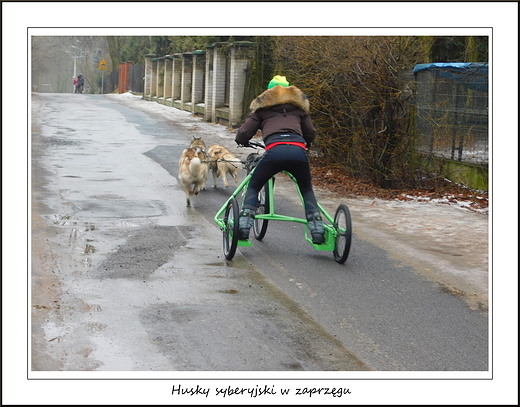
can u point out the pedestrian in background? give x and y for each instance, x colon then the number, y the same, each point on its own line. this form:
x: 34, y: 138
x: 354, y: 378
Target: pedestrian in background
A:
x: 81, y: 82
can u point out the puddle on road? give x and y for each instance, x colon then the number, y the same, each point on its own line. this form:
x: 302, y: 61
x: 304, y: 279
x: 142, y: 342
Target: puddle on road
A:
x: 106, y: 179
x: 119, y: 208
x: 57, y: 141
x: 107, y: 197
x: 62, y: 220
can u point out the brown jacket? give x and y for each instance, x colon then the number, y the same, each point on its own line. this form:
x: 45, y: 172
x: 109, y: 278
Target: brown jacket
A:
x: 278, y: 110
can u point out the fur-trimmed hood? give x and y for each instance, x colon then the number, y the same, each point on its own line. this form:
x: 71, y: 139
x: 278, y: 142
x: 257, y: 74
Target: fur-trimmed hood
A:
x: 280, y: 95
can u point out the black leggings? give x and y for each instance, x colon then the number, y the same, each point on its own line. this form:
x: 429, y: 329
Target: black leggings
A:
x: 283, y: 157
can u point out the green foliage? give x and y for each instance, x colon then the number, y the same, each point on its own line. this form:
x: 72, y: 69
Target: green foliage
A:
x: 133, y: 49
x: 459, y: 49
x: 169, y: 45
x: 178, y: 44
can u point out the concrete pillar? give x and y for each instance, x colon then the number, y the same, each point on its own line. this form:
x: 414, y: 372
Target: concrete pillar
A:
x: 153, y: 81
x: 147, y: 91
x: 219, y: 79
x: 208, y: 89
x: 198, y: 79
x: 241, y: 54
x: 187, y: 74
x: 167, y: 79
x: 176, y: 80
x: 160, y: 79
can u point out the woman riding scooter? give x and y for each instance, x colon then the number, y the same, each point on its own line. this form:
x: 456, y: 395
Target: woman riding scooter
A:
x: 282, y: 114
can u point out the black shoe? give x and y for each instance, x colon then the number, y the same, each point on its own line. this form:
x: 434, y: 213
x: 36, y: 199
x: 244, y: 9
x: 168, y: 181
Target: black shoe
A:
x: 318, y: 238
x: 315, y: 225
x: 245, y: 223
x: 243, y: 234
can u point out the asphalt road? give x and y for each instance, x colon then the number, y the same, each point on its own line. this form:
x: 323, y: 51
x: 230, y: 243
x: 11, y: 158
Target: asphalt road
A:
x: 125, y: 277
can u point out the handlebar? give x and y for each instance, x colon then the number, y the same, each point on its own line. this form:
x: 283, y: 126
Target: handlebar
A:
x: 256, y: 145
x: 252, y: 144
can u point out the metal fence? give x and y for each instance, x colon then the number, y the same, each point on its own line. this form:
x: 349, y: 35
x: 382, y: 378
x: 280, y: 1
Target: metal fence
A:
x: 451, y: 119
x: 136, y: 78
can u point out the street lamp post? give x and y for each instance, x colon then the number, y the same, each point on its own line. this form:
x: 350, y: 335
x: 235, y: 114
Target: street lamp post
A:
x: 81, y: 55
x: 76, y: 56
x: 74, y: 75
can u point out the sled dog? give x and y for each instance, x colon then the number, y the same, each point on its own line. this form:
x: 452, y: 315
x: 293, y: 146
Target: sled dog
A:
x: 221, y: 163
x: 198, y: 142
x: 192, y: 172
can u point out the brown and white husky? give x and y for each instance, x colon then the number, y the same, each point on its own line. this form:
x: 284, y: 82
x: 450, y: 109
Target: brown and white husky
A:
x: 193, y: 172
x: 198, y: 142
x: 221, y: 162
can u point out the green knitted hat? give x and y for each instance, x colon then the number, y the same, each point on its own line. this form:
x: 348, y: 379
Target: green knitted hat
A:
x: 278, y: 80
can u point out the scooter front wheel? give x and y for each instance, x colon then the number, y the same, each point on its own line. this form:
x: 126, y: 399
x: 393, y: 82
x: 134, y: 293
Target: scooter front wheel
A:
x: 230, y: 231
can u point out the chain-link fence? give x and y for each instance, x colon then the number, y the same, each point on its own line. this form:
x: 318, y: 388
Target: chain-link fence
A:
x: 451, y: 119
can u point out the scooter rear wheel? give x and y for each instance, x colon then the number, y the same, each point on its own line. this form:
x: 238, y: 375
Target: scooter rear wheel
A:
x: 260, y: 225
x: 343, y: 226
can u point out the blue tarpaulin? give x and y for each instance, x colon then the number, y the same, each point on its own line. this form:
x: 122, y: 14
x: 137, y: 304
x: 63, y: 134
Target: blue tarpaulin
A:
x: 474, y: 74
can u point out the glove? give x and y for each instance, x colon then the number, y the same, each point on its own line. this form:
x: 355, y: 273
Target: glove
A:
x: 243, y: 144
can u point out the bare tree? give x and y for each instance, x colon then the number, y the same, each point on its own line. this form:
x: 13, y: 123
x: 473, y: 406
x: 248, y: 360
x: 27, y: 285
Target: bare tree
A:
x: 357, y: 100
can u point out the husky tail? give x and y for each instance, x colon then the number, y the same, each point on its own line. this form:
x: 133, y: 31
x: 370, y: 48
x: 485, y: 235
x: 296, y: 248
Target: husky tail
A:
x: 195, y: 166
